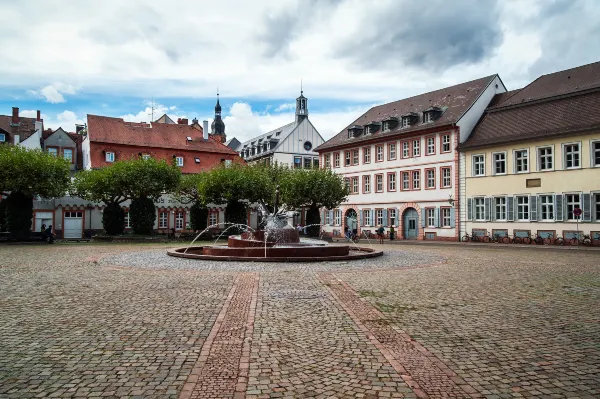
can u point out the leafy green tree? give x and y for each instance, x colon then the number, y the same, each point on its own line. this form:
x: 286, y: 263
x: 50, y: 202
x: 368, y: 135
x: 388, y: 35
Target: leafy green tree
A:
x: 142, y: 213
x: 24, y: 174
x: 313, y: 188
x: 198, y: 216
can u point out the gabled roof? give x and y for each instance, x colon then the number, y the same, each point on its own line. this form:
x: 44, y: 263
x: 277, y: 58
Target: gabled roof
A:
x: 104, y: 129
x: 283, y: 131
x: 25, y: 129
x: 233, y: 143
x: 561, y: 103
x: 453, y: 100
x: 165, y: 119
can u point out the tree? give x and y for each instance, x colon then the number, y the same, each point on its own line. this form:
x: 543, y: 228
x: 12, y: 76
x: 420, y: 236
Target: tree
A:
x: 24, y: 174
x: 313, y: 188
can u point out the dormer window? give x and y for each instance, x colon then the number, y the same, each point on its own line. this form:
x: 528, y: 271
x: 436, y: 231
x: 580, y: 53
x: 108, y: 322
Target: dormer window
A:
x: 431, y: 114
x: 367, y: 130
x: 427, y: 117
x: 405, y: 121
x: 188, y: 138
x: 278, y: 133
x: 355, y: 131
x: 386, y: 126
x: 389, y: 124
x: 197, y: 160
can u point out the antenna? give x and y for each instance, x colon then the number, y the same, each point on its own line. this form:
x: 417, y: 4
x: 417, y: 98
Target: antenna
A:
x: 152, y: 108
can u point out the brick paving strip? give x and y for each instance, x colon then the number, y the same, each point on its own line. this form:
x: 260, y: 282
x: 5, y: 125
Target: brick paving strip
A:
x: 427, y: 375
x: 222, y: 367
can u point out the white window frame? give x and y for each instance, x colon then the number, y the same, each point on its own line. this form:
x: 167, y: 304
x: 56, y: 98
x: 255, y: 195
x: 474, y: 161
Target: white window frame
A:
x: 446, y: 216
x: 127, y: 220
x: 366, y: 154
x: 520, y: 208
x: 572, y: 204
x: 446, y: 142
x: 110, y: 156
x: 427, y: 117
x: 379, y: 153
x: 379, y: 183
x: 337, y: 217
x: 179, y: 220
x: 367, y: 183
x: 336, y: 159
x: 430, y: 217
x: 145, y: 156
x: 564, y: 154
x: 392, y: 150
x: 517, y: 158
x: 430, y: 145
x: 406, y: 122
x: 477, y: 163
x: 328, y: 161
x: 162, y: 225
x: 327, y: 218
x: 540, y: 156
x: 405, y: 182
x: 596, y: 206
x: 179, y: 161
x: 391, y: 181
x: 479, y: 206
x: 543, y: 206
x: 430, y: 178
x: 500, y: 207
x: 379, y: 216
x: 406, y: 149
x: 355, y: 185
x: 70, y: 159
x: 367, y: 130
x: 385, y: 127
x: 593, y: 163
x: 494, y: 161
x: 355, y: 156
x: 416, y: 180
x: 448, y: 178
x: 52, y: 151
x: 416, y: 148
x: 347, y: 158
x: 366, y: 217
x: 392, y: 215
x: 212, y: 218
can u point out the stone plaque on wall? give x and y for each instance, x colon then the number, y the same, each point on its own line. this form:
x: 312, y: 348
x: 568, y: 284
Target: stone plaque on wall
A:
x: 533, y: 183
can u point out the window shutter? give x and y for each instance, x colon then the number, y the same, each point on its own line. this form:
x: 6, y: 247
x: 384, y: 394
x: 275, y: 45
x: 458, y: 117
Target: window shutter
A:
x: 323, y: 216
x: 438, y: 223
x: 397, y: 221
x: 372, y: 213
x: 385, y: 219
x: 558, y: 207
x: 486, y: 203
x: 586, y: 207
x: 362, y: 217
x: 533, y: 208
x: 469, y: 208
x: 424, y: 217
x: 452, y: 216
x: 510, y: 209
x: 492, y: 209
x: 331, y: 220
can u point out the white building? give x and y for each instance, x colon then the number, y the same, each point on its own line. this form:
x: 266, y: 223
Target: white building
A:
x: 292, y: 144
x: 401, y: 162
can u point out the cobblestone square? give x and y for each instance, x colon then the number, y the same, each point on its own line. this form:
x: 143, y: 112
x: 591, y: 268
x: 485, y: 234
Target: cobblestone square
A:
x: 116, y: 321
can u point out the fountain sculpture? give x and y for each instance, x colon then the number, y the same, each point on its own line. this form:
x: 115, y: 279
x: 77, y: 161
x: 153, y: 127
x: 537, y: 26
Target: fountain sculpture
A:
x: 278, y: 241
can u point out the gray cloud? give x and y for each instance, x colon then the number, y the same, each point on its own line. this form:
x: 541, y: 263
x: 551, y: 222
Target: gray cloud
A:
x: 434, y: 35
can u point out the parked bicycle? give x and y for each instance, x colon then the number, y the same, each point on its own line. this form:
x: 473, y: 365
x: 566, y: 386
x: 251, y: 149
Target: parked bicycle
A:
x: 540, y: 240
x: 353, y: 237
x: 526, y: 239
x: 470, y: 237
x: 559, y: 241
x: 516, y: 239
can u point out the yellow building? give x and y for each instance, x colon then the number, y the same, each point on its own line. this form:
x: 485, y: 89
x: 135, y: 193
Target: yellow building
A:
x: 534, y: 158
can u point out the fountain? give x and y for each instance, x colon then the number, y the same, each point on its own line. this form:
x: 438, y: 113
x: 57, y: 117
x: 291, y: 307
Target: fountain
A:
x: 277, y: 242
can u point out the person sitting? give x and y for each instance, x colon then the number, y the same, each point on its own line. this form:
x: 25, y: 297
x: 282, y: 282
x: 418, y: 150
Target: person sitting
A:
x: 380, y: 232
x: 49, y: 235
x: 43, y: 232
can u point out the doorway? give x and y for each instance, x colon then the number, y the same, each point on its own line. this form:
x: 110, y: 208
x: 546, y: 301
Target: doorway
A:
x: 411, y: 224
x: 352, y: 220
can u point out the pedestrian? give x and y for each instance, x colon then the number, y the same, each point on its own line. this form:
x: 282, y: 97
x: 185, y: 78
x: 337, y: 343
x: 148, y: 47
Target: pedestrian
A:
x: 49, y: 235
x: 392, y: 230
x: 380, y: 232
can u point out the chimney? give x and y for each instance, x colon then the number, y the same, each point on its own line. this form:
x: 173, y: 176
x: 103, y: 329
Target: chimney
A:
x: 205, y: 129
x: 182, y: 121
x: 15, y: 115
x: 39, y: 116
x: 179, y: 121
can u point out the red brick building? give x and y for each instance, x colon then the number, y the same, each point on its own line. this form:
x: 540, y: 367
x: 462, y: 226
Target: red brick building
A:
x: 111, y: 139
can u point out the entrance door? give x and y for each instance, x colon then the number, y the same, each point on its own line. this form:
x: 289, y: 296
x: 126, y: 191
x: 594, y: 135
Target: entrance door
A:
x: 43, y: 218
x: 351, y: 220
x: 411, y: 224
x: 73, y: 227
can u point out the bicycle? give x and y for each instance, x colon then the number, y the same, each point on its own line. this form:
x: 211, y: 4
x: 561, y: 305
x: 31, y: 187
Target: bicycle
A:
x: 353, y: 237
x: 471, y: 237
x: 587, y: 240
x: 539, y: 240
x: 516, y: 240
x: 527, y: 239
x: 559, y: 241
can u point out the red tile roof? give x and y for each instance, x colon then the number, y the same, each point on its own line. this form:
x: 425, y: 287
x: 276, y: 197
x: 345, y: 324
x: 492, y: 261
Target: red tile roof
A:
x: 104, y: 129
x: 557, y: 104
x: 454, y: 101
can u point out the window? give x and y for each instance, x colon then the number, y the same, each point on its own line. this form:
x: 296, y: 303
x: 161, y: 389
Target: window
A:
x: 337, y: 217
x: 479, y: 165
x: 315, y: 163
x: 392, y: 216
x: 595, y: 153
x: 327, y: 218
x: 163, y: 220
x: 127, y: 220
x: 347, y: 158
x: 228, y: 163
x: 379, y: 183
x: 386, y: 127
x: 427, y: 117
x: 110, y: 156
x: 336, y: 159
x: 366, y: 217
x: 500, y: 208
x: 379, y: 151
x: 328, y: 161
x: 367, y: 184
x: 546, y: 207
x: 446, y: 177
x: 391, y: 181
x: 212, y: 218
x: 297, y: 162
x: 347, y: 183
x: 573, y: 201
x: 68, y: 154
x: 521, y: 161
x: 307, y: 163
x: 446, y: 143
x: 179, y: 161
x: 405, y: 149
x: 379, y: 216
x: 597, y: 206
x: 430, y: 173
x: 391, y: 151
x: 197, y: 160
x: 430, y: 213
x: 355, y: 185
x: 545, y: 161
x: 367, y: 130
x: 53, y: 151
x: 367, y: 155
x: 523, y: 207
x: 2, y: 137
x: 446, y: 217
x: 571, y: 156
x: 416, y: 148
x: 146, y: 156
x: 405, y: 181
x: 354, y: 157
x: 499, y: 163
x: 416, y: 180
x: 178, y: 220
x: 479, y: 207
x: 406, y: 121
x: 430, y: 145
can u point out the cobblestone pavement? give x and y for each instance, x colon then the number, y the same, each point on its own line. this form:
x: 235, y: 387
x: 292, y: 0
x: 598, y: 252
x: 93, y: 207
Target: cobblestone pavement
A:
x: 128, y: 321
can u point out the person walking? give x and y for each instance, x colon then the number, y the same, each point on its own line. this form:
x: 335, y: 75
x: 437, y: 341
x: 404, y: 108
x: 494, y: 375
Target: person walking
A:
x: 380, y: 232
x: 50, y: 235
x: 392, y: 233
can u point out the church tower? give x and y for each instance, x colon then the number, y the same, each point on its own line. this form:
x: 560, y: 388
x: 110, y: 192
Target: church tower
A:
x: 217, y: 128
x: 301, y: 107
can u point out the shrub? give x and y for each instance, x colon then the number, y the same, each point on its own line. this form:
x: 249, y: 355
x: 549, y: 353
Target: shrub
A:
x: 142, y: 215
x: 113, y: 219
x: 19, y: 211
x: 198, y: 216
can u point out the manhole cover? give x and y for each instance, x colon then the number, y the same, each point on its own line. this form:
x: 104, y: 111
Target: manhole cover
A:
x: 297, y: 294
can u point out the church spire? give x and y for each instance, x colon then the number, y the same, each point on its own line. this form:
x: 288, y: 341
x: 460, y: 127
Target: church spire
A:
x: 301, y: 106
x: 217, y: 127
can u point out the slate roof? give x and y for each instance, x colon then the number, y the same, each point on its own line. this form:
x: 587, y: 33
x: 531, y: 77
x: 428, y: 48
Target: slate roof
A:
x: 104, y: 129
x: 562, y: 103
x: 454, y: 102
x: 284, y: 131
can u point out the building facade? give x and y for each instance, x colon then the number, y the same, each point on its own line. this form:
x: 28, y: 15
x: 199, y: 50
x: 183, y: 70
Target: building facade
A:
x: 290, y: 145
x: 400, y: 161
x: 535, y: 157
x: 19, y: 130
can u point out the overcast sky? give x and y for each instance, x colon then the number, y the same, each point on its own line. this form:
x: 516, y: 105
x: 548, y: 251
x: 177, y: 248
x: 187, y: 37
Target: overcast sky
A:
x: 70, y: 58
